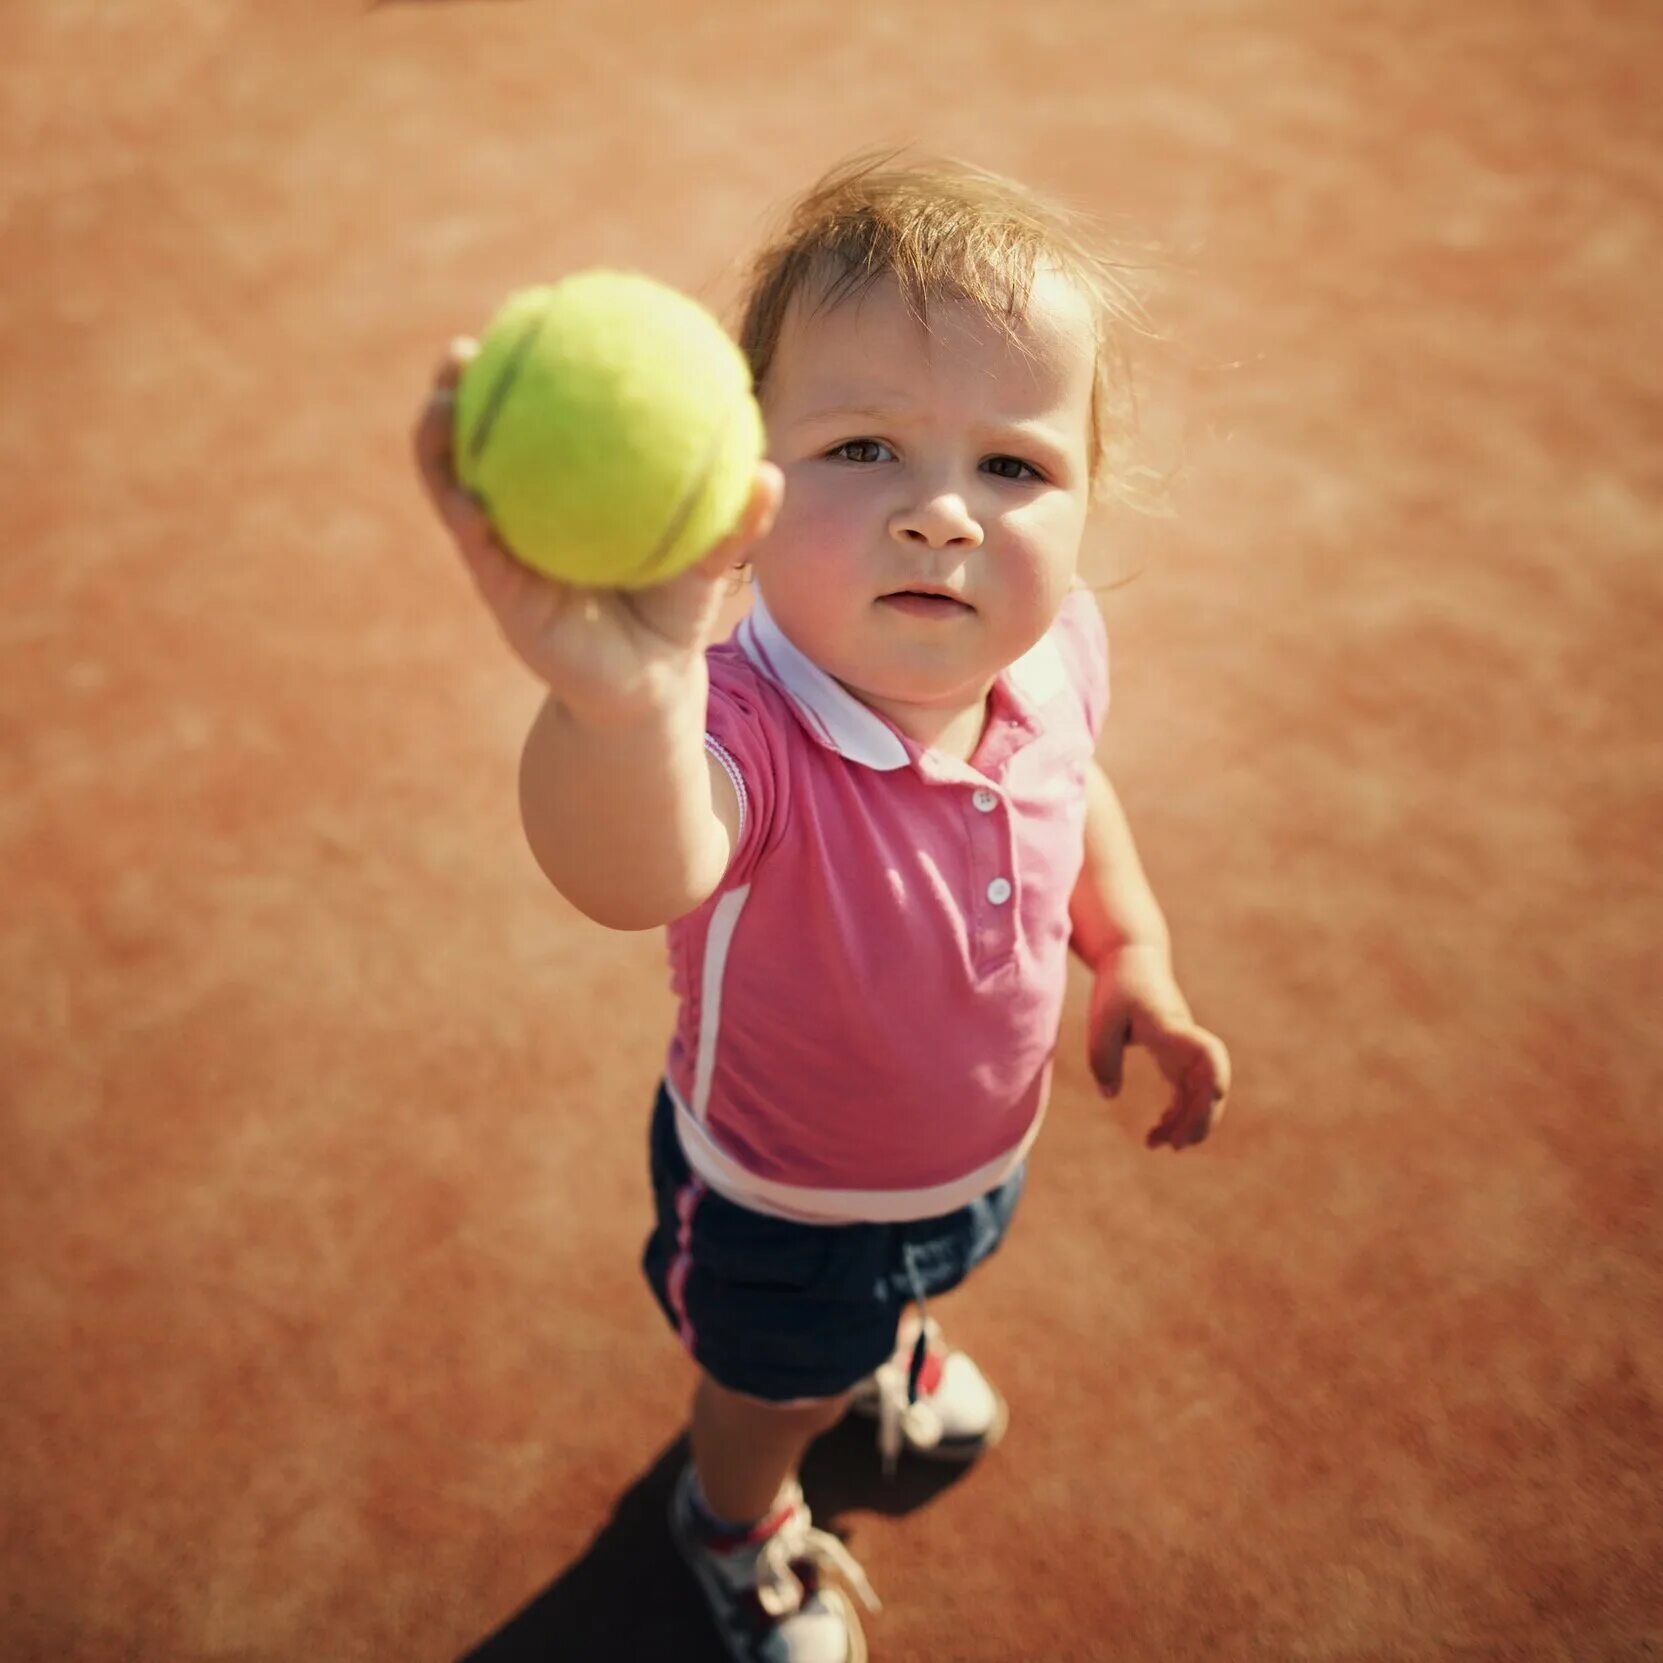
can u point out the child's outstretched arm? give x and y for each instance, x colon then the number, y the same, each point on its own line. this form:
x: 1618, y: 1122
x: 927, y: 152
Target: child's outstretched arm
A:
x: 1118, y: 929
x: 623, y: 810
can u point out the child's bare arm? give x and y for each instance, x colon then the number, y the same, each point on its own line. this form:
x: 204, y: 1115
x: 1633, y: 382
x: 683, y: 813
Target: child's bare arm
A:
x: 1113, y: 906
x: 632, y: 823
x: 1119, y: 930
x: 621, y: 807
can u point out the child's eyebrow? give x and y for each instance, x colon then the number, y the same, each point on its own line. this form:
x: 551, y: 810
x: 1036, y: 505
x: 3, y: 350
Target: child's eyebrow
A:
x: 865, y: 410
x: 873, y: 411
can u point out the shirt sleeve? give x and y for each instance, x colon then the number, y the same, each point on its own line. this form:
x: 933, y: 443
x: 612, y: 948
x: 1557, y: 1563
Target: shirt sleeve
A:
x: 1083, y: 641
x: 745, y: 733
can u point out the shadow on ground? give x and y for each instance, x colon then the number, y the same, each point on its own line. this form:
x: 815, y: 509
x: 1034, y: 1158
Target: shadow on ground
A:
x: 598, y: 1610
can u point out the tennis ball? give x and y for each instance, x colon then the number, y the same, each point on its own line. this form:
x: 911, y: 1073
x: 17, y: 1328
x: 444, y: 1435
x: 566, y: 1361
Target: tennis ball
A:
x: 608, y: 427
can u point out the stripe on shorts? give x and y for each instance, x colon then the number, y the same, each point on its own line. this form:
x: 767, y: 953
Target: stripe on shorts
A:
x: 688, y: 1198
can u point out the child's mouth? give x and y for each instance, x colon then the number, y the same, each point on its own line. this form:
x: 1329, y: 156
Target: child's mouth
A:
x: 919, y: 603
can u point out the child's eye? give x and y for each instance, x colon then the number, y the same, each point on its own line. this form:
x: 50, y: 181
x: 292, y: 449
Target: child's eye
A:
x: 1011, y: 467
x: 860, y: 450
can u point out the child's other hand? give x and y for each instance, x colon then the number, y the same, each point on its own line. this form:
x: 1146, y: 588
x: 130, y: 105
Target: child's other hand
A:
x: 1136, y: 1002
x: 603, y: 653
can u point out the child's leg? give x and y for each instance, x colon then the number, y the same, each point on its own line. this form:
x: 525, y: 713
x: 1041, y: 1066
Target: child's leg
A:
x: 750, y: 1540
x: 744, y: 1449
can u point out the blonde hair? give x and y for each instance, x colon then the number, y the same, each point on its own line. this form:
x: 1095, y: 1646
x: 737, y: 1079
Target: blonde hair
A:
x: 946, y: 231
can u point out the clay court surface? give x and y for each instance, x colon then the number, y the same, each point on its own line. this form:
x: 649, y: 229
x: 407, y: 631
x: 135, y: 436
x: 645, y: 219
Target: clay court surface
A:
x: 324, y: 1117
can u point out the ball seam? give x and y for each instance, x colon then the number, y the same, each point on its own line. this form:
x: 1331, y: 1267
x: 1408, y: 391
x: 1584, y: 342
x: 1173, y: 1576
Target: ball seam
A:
x: 683, y: 511
x: 507, y: 375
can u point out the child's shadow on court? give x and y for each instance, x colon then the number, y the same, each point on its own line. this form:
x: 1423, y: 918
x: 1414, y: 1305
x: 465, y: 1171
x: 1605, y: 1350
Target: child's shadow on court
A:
x: 630, y: 1599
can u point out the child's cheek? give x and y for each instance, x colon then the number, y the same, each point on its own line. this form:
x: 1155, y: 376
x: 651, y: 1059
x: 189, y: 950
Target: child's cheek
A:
x: 826, y: 525
x: 1048, y: 535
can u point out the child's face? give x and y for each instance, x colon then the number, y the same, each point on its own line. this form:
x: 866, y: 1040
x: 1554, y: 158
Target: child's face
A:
x: 935, y: 491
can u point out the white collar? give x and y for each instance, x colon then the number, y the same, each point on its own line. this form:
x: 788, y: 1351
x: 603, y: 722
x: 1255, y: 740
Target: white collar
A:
x: 834, y: 714
x: 838, y: 718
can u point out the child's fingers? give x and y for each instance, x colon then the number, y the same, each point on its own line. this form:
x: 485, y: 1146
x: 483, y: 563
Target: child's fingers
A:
x: 1198, y: 1098
x: 1196, y: 1122
x: 1178, y: 1128
x: 461, y: 352
x: 763, y: 506
x: 1165, y: 1129
x: 524, y: 600
x: 431, y: 442
x: 761, y: 510
x: 503, y: 582
x: 1108, y: 1055
x: 1217, y: 1068
x: 496, y: 571
x: 767, y: 495
x: 430, y: 437
x: 491, y: 564
x: 433, y: 436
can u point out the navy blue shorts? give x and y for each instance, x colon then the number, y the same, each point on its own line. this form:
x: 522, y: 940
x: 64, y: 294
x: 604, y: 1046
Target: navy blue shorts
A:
x: 780, y: 1310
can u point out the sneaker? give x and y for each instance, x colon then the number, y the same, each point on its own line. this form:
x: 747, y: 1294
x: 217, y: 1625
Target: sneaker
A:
x: 764, y: 1589
x: 956, y: 1414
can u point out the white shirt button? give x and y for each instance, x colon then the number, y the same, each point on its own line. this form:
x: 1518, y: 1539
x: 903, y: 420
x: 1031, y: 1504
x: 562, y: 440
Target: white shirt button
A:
x: 999, y: 891
x: 985, y: 802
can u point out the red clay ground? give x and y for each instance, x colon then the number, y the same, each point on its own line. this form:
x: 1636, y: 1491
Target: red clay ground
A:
x: 324, y: 1117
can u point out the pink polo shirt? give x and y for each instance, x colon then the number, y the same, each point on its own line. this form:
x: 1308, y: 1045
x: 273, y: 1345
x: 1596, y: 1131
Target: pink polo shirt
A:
x: 870, y: 1000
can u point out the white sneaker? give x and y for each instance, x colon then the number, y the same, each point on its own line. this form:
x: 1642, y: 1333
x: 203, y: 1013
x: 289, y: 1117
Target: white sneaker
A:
x: 956, y: 1414
x: 764, y: 1589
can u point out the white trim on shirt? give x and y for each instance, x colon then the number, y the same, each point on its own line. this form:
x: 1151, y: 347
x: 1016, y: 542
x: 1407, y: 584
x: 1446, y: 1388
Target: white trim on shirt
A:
x: 724, y: 922
x: 826, y: 1206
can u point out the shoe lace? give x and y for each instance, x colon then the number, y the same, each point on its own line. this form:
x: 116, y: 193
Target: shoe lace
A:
x: 780, y: 1589
x: 902, y: 1417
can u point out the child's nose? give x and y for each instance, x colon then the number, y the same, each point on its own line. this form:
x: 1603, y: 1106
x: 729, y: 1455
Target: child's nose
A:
x: 942, y: 520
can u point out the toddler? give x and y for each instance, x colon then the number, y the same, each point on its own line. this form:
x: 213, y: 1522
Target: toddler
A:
x: 874, y: 826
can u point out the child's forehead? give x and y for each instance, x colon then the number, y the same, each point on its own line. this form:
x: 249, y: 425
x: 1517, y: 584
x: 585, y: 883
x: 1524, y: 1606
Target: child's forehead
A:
x: 875, y: 329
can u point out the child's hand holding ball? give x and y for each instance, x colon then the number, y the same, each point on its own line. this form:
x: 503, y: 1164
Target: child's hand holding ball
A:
x: 597, y: 460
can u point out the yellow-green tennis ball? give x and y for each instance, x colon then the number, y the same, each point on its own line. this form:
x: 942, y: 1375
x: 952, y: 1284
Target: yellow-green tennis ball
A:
x: 609, y: 429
